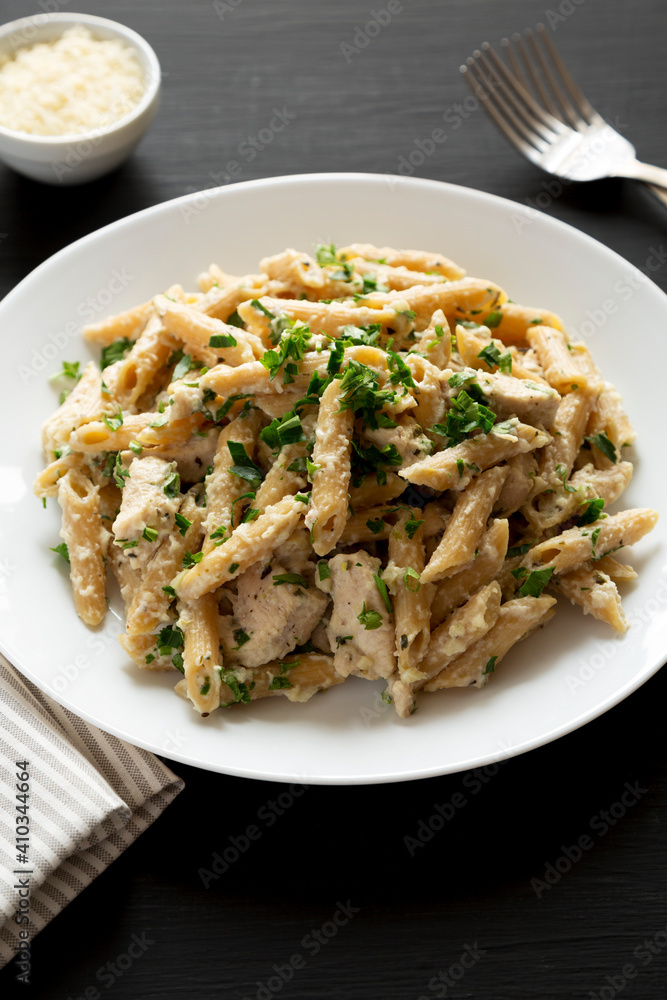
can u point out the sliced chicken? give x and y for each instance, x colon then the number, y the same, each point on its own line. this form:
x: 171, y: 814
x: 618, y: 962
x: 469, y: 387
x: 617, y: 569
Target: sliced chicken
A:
x: 532, y: 402
x: 276, y: 617
x: 357, y: 604
x: 408, y: 438
x: 146, y: 515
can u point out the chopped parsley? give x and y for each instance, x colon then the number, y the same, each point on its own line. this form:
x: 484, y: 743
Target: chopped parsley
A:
x: 607, y: 447
x: 243, y: 466
x: 206, y: 687
x: 493, y: 319
x: 492, y: 356
x: 235, y: 320
x: 224, y: 409
x: 370, y: 284
x: 222, y: 340
x: 283, y: 430
x: 120, y: 474
x: 595, y: 534
x: 384, y: 593
x: 292, y: 345
x: 400, y: 373
x: 191, y: 559
x: 232, y: 568
x: 458, y: 379
x: 465, y: 415
x: 376, y: 526
x: 368, y: 460
x: 326, y: 255
x: 182, y: 523
x: 360, y: 392
x: 518, y: 550
x: 61, y: 550
x: 244, y: 496
x: 168, y: 639
x: 409, y: 577
x: 361, y: 335
x: 182, y: 368
x: 114, y: 352
x: 70, y: 369
x: 279, y: 684
x: 336, y: 357
x: 592, y: 513
x: 172, y: 482
x: 149, y: 534
x: 412, y: 526
x: 241, y: 638
x: 561, y: 472
x: 256, y: 304
x: 490, y: 666
x: 239, y: 689
x: 298, y: 465
x: 126, y: 543
x: 323, y: 570
x: 369, y: 619
x: 136, y: 447
x: 219, y: 535
x: 294, y: 578
x: 114, y: 422
x: 536, y: 582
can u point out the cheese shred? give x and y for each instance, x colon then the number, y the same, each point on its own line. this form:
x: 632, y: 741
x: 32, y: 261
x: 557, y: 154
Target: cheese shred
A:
x: 70, y: 85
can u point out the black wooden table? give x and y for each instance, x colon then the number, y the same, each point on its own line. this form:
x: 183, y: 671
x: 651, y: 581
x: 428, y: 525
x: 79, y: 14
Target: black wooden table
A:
x: 550, y: 882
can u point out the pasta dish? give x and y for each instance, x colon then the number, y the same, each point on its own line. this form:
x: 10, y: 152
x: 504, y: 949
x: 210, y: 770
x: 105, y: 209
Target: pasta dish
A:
x: 357, y: 463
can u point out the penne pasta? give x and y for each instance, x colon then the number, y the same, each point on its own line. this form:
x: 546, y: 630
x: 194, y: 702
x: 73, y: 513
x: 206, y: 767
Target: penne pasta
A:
x: 202, y: 665
x: 300, y: 475
x: 515, y: 621
x: 223, y: 486
x: 453, y: 468
x: 86, y: 541
x: 466, y: 526
x: 249, y: 542
x: 331, y: 475
x: 412, y: 600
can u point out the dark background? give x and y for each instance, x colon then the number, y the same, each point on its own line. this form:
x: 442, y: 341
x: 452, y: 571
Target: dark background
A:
x: 470, y: 885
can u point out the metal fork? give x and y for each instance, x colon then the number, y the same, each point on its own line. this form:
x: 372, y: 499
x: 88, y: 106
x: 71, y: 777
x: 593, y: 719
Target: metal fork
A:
x: 553, y: 125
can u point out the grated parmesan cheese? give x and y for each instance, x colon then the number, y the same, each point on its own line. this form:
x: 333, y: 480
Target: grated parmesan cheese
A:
x: 70, y: 85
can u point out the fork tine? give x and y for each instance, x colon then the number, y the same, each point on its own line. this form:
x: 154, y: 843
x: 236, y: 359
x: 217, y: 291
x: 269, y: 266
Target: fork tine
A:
x: 567, y: 110
x: 581, y: 102
x: 483, y: 92
x: 498, y: 100
x: 514, y: 63
x: 532, y: 123
x: 540, y: 120
x: 534, y: 77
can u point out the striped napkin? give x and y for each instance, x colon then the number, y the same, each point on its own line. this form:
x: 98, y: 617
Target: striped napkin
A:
x: 89, y: 797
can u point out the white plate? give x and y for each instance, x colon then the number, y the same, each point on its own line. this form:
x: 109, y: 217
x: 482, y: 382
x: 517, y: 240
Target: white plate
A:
x: 559, y: 679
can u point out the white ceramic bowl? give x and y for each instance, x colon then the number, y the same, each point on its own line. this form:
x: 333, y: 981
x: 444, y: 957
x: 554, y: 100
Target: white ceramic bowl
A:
x: 80, y: 157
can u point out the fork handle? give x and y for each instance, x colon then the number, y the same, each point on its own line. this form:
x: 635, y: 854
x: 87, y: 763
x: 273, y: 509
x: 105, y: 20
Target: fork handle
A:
x: 660, y: 193
x: 642, y: 172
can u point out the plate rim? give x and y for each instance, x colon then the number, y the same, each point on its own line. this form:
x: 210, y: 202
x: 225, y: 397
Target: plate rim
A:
x: 411, y: 774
